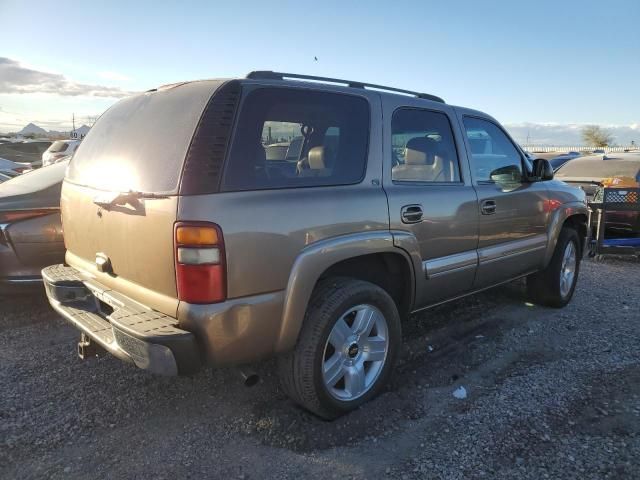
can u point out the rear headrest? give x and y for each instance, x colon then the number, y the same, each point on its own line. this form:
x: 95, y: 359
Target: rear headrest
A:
x: 316, y: 158
x: 420, y: 151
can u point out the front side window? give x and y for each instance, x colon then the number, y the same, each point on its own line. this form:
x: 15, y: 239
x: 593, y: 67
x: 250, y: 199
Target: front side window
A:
x: 494, y: 157
x: 423, y: 148
x: 298, y: 138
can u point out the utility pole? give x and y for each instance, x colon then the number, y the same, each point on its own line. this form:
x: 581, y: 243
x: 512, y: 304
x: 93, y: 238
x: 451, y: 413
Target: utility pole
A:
x: 73, y: 120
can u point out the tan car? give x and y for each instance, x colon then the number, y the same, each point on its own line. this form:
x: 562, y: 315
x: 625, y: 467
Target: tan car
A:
x: 186, y: 246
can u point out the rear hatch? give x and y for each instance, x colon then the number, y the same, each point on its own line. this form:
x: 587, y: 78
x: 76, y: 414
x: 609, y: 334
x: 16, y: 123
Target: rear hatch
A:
x: 120, y: 196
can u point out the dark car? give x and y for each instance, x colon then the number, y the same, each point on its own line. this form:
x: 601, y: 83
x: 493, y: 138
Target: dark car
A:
x: 30, y: 227
x: 560, y: 160
x: 588, y: 172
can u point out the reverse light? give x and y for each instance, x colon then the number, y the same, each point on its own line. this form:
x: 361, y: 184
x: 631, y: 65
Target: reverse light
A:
x: 199, y: 256
x: 200, y: 267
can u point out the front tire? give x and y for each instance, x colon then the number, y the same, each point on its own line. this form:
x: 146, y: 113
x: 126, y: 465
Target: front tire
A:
x: 554, y: 286
x: 346, y: 350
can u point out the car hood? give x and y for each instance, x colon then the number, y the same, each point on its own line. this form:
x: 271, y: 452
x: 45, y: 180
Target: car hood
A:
x: 37, y: 189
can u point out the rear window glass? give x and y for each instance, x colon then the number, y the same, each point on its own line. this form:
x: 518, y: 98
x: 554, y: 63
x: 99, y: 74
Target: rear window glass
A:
x: 599, y: 169
x: 141, y: 142
x: 58, y: 146
x: 325, y: 134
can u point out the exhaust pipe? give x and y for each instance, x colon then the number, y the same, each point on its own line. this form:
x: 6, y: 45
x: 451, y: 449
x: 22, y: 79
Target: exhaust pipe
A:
x: 249, y: 377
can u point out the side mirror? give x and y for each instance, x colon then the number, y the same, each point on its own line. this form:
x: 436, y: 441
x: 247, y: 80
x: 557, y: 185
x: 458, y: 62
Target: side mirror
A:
x: 507, y: 174
x: 542, y: 169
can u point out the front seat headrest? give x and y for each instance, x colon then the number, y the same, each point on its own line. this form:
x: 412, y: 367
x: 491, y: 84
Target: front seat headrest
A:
x: 420, y: 151
x: 316, y: 158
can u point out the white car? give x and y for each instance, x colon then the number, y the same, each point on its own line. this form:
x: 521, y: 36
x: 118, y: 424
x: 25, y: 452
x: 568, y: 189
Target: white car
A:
x: 59, y: 149
x: 13, y: 168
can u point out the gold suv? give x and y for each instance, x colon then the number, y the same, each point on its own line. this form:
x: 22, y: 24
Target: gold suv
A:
x: 188, y: 244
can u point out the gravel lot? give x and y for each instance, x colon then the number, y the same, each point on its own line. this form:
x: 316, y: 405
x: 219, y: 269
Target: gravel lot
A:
x: 550, y: 394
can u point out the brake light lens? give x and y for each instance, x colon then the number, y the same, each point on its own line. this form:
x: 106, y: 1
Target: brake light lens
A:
x: 201, y: 275
x: 16, y: 215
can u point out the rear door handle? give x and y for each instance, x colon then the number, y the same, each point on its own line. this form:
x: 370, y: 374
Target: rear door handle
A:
x: 488, y: 207
x: 411, y: 213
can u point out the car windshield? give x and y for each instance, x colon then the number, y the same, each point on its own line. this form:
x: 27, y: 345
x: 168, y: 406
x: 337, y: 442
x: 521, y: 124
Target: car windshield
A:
x: 597, y: 168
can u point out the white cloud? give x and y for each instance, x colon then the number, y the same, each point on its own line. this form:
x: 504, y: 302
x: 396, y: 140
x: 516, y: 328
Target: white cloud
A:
x: 16, y: 78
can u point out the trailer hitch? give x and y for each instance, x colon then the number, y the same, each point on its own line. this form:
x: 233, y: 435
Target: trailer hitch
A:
x: 88, y: 348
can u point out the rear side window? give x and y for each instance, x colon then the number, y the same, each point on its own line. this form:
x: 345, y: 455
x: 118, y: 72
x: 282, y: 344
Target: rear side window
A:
x: 423, y: 148
x: 325, y: 135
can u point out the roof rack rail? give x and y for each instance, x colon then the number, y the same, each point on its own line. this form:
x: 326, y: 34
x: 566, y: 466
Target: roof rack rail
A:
x: 269, y: 75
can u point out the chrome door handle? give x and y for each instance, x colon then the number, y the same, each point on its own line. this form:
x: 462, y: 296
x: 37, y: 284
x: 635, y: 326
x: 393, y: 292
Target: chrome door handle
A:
x: 488, y: 207
x: 411, y: 213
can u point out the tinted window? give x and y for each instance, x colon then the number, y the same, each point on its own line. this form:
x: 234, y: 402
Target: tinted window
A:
x: 423, y: 148
x: 494, y: 157
x: 141, y: 142
x: 327, y: 135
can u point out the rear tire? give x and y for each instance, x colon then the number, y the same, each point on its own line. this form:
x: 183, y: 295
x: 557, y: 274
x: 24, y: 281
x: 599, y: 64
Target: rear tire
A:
x: 346, y: 350
x: 554, y: 286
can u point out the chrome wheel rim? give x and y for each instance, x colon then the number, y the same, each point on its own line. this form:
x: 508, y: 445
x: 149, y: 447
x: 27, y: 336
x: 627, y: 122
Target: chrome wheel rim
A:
x: 355, y: 352
x: 567, y: 269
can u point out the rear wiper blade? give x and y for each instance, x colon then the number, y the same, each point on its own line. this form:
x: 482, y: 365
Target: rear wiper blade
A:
x: 109, y: 199
x: 139, y: 194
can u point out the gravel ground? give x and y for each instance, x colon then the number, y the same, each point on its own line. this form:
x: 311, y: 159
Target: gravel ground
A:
x: 550, y: 394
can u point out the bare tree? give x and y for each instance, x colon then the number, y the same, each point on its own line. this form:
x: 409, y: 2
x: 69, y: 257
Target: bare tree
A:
x: 596, y: 136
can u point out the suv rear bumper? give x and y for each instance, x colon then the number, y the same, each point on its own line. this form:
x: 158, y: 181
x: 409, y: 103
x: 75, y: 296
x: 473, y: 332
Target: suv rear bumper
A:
x: 149, y: 339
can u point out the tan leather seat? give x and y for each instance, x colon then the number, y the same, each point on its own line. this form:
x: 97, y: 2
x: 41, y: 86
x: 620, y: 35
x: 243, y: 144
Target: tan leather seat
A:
x: 317, y: 163
x: 422, y: 162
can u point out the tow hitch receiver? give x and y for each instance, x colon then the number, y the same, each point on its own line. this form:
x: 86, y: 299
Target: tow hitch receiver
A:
x: 87, y: 348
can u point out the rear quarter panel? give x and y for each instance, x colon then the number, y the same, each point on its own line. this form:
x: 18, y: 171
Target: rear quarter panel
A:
x: 264, y: 231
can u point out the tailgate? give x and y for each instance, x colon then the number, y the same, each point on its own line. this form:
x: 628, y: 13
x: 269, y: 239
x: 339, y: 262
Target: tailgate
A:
x: 136, y: 239
x: 134, y: 156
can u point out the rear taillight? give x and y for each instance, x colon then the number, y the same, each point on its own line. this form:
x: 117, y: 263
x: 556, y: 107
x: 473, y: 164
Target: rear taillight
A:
x: 20, y: 169
x: 16, y: 215
x: 9, y: 217
x: 201, y: 275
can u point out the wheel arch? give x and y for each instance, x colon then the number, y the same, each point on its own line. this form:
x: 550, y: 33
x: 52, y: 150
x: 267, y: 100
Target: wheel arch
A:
x: 369, y: 256
x: 574, y: 215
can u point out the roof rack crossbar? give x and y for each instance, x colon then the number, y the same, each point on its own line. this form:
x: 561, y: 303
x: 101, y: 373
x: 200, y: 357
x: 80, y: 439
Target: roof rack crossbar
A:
x: 269, y: 75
